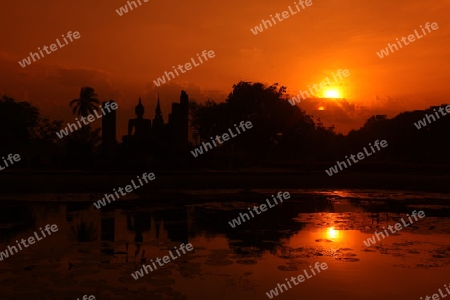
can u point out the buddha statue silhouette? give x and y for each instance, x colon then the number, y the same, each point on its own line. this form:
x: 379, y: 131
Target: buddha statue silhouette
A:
x: 139, y: 127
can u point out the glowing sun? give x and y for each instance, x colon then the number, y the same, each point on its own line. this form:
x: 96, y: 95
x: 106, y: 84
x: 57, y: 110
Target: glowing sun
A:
x: 332, y: 94
x: 332, y: 233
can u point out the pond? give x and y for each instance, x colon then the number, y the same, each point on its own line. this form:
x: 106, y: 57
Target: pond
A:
x: 95, y: 251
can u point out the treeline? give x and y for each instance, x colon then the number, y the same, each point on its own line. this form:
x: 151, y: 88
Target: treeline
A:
x: 25, y: 131
x: 285, y: 133
x: 282, y: 135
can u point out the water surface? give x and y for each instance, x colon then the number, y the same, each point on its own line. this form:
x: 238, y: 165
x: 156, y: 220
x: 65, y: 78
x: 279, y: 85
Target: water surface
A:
x: 95, y: 251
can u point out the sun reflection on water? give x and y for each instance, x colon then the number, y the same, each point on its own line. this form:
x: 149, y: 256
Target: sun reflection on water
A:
x: 333, y: 234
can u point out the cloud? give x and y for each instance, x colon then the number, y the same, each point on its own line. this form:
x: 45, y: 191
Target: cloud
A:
x: 344, y: 113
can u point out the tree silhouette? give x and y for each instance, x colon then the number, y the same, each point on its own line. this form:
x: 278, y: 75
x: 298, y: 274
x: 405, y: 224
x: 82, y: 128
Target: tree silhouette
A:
x: 16, y: 120
x: 275, y: 121
x: 45, y: 130
x: 81, y: 144
x: 86, y: 104
x: 206, y: 118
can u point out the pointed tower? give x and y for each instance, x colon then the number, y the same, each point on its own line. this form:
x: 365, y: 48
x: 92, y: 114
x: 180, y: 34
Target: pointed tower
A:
x: 158, y: 108
x: 179, y: 125
x: 139, y: 109
x: 158, y: 121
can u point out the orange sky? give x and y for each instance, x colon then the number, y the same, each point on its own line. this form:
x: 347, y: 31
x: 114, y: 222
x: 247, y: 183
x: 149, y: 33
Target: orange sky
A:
x: 120, y: 56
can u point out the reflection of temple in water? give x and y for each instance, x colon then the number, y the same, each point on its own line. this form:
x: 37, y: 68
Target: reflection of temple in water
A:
x: 150, y: 141
x: 121, y: 226
x: 16, y: 217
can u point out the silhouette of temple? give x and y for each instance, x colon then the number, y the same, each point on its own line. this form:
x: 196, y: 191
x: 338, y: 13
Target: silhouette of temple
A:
x: 155, y: 140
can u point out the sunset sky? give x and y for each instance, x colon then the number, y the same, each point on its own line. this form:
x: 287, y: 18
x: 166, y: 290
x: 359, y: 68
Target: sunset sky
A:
x: 120, y: 56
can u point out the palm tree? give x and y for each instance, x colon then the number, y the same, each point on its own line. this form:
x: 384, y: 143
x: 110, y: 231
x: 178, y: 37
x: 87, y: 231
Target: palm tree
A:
x: 87, y: 102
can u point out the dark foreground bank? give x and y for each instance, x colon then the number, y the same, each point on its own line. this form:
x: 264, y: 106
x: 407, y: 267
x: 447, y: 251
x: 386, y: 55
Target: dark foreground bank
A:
x: 92, y: 182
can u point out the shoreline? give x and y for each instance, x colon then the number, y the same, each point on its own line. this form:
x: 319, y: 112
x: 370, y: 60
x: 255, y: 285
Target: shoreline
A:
x: 102, y: 182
